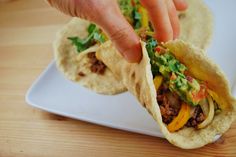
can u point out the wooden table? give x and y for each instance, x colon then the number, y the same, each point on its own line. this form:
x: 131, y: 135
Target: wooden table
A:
x: 27, y: 29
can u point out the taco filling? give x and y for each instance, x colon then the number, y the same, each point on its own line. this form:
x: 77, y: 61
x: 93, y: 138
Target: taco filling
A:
x: 96, y: 66
x: 183, y: 99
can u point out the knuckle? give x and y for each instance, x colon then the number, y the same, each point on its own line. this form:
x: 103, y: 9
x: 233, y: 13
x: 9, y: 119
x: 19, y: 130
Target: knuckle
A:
x: 165, y: 35
x: 120, y: 34
x: 150, y: 4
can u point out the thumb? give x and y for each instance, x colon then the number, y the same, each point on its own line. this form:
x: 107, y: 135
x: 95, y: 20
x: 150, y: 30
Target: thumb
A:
x: 122, y: 35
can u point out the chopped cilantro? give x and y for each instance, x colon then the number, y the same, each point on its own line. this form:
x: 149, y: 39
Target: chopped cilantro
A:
x: 137, y: 18
x: 99, y: 37
x: 91, y: 28
x: 150, y: 46
x: 94, y: 36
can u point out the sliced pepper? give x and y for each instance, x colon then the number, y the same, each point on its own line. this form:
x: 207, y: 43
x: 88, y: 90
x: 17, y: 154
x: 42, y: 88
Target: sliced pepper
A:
x: 210, y: 114
x: 150, y: 33
x: 158, y: 81
x: 181, y: 119
x: 144, y: 15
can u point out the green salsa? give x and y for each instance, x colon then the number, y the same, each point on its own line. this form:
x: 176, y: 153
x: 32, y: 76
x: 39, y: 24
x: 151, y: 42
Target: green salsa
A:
x: 164, y: 63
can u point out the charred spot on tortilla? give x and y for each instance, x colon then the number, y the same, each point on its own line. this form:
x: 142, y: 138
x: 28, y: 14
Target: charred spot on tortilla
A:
x: 182, y: 15
x: 137, y: 88
x: 81, y: 74
x: 96, y: 66
x: 133, y: 75
x: 144, y: 104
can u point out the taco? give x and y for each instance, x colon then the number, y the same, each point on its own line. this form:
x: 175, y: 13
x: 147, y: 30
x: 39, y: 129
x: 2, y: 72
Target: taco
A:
x: 185, y: 92
x: 79, y: 63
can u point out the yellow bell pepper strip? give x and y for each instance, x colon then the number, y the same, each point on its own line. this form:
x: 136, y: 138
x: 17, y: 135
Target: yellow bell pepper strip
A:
x: 150, y: 33
x: 144, y: 19
x: 158, y: 81
x: 210, y: 114
x: 181, y: 119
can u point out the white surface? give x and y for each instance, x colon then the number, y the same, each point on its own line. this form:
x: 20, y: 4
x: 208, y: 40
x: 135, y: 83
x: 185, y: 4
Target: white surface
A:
x: 53, y: 93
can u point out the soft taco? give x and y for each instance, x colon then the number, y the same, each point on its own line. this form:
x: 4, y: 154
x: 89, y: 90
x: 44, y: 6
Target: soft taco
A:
x: 77, y: 42
x: 185, y: 92
x: 79, y: 63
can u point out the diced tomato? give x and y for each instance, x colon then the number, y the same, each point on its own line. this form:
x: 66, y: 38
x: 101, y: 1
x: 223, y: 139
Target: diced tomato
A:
x: 173, y: 76
x: 132, y: 2
x: 158, y: 49
x: 189, y: 78
x: 201, y: 94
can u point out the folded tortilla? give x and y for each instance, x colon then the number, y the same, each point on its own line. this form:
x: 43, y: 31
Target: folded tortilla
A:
x: 76, y: 66
x: 139, y: 81
x: 196, y: 24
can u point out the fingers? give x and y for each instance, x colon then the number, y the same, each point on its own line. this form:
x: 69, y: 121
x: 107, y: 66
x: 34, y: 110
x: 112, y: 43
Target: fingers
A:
x: 164, y: 17
x: 180, y: 5
x: 174, y: 20
x: 64, y: 6
x: 159, y: 16
x: 108, y: 16
x: 123, y: 36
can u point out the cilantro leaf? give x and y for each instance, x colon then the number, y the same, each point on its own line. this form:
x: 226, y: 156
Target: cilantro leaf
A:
x: 150, y: 46
x: 91, y: 28
x: 99, y: 37
x: 78, y: 43
x: 137, y: 18
x: 94, y: 35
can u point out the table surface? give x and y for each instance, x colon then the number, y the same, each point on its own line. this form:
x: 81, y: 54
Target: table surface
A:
x: 27, y: 29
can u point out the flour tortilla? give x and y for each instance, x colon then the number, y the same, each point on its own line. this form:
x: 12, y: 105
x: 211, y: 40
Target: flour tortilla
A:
x: 139, y: 81
x: 196, y: 24
x: 71, y: 63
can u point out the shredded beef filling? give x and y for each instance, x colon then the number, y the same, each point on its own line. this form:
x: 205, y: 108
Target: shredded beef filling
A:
x: 169, y: 104
x: 197, y: 118
x: 97, y: 66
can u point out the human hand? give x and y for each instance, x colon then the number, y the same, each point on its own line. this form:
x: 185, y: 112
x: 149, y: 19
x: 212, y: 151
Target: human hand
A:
x: 107, y: 15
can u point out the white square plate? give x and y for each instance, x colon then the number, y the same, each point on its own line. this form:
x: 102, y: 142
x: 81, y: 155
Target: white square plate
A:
x: 53, y: 93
